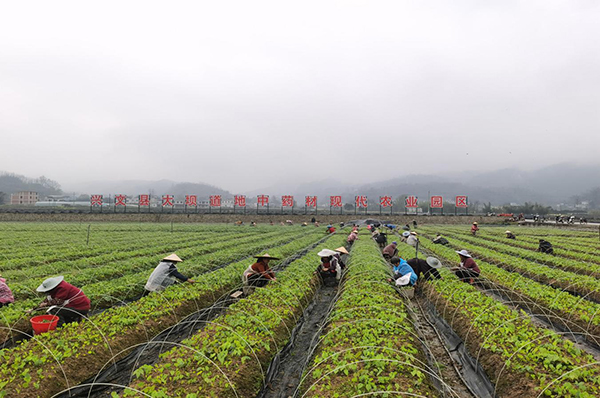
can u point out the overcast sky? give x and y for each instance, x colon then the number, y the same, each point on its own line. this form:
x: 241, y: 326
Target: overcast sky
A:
x: 243, y: 94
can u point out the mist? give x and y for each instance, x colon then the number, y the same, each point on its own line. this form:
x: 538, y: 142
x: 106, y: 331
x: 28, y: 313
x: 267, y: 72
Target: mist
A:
x: 244, y: 95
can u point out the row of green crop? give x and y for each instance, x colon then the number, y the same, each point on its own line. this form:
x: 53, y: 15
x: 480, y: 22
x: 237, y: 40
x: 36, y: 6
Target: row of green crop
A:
x: 84, y: 270
x: 561, y: 263
x: 521, y: 359
x: 65, y: 249
x: 584, y: 285
x: 51, y: 362
x: 369, y: 347
x: 229, y: 357
x: 574, y: 312
x: 128, y: 286
x: 563, y: 249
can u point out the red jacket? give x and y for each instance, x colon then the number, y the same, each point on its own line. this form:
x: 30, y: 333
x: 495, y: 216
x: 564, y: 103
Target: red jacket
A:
x: 471, y: 264
x: 65, y: 291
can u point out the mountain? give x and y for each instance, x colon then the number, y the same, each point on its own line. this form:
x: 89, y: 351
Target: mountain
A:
x: 136, y: 187
x: 12, y: 183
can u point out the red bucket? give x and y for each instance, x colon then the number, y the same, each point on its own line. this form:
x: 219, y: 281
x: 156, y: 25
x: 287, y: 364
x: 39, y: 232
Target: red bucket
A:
x: 43, y: 323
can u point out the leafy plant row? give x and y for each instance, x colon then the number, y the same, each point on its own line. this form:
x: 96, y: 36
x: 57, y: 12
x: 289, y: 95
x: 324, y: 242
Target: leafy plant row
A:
x: 586, y: 286
x: 521, y: 359
x: 229, y: 357
x: 574, y: 312
x: 562, y: 249
x: 541, y: 258
x: 130, y: 286
x: 369, y: 347
x: 35, y: 258
x: 83, y: 271
x: 51, y: 362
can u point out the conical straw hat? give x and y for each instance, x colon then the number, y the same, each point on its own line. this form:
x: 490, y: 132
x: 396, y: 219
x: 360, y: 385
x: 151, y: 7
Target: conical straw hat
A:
x: 173, y: 257
x: 342, y: 249
x: 266, y: 255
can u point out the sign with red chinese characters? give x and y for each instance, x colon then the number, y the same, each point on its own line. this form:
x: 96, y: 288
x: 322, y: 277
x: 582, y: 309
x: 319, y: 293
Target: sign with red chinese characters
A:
x: 287, y: 201
x: 461, y: 201
x: 144, y: 200
x: 437, y: 202
x: 335, y: 201
x: 167, y: 200
x: 191, y: 200
x: 385, y: 201
x: 215, y: 200
x: 120, y: 200
x: 361, y: 201
x: 262, y: 200
x: 310, y: 201
x: 96, y: 200
x: 411, y: 201
x: 239, y: 200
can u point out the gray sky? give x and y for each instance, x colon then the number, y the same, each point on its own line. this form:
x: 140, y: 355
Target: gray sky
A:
x: 243, y: 94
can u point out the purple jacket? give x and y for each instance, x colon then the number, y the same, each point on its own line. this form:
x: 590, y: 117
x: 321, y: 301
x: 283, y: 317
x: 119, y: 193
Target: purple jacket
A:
x: 6, y: 295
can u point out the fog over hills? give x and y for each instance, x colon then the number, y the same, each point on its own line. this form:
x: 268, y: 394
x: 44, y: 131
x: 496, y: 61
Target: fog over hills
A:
x: 549, y: 185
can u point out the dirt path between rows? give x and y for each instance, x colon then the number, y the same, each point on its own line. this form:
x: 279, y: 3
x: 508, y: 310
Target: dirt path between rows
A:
x: 291, y: 366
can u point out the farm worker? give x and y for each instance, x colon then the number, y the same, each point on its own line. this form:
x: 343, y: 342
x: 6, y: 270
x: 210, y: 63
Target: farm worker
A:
x: 405, y: 236
x: 304, y: 224
x: 352, y: 237
x: 510, y: 235
x: 259, y: 273
x: 440, y: 240
x: 66, y: 301
x: 474, y: 228
x: 427, y: 268
x: 412, y: 239
x: 403, y: 273
x: 468, y: 269
x: 406, y: 227
x: 330, y: 229
x: 6, y: 295
x: 164, y: 275
x: 390, y: 250
x: 329, y: 269
x: 381, y: 239
x: 339, y: 252
x: 545, y: 247
x: 342, y: 224
x: 415, y: 224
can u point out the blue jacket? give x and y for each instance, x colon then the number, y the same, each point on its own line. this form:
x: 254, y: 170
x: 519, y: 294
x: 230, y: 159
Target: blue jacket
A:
x: 402, y: 269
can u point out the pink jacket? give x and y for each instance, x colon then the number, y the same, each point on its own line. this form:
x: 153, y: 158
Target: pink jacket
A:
x: 6, y: 295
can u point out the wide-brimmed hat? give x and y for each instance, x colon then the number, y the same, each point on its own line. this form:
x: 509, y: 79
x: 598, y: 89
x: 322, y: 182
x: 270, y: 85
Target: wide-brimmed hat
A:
x: 405, y: 234
x: 413, y: 233
x: 433, y: 262
x: 267, y: 255
x: 507, y: 232
x: 173, y: 257
x: 475, y: 222
x: 394, y: 243
x: 463, y: 253
x: 50, y: 284
x: 325, y: 253
x: 342, y: 249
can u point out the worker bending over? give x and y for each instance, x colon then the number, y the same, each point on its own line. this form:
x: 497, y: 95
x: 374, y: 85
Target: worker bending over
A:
x: 510, y: 235
x: 64, y: 300
x: 259, y: 273
x: 426, y: 269
x: 468, y: 270
x: 6, y: 295
x: 403, y: 272
x: 164, y: 275
x: 329, y: 269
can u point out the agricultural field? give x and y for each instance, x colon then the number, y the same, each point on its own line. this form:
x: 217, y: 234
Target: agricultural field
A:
x: 528, y: 327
